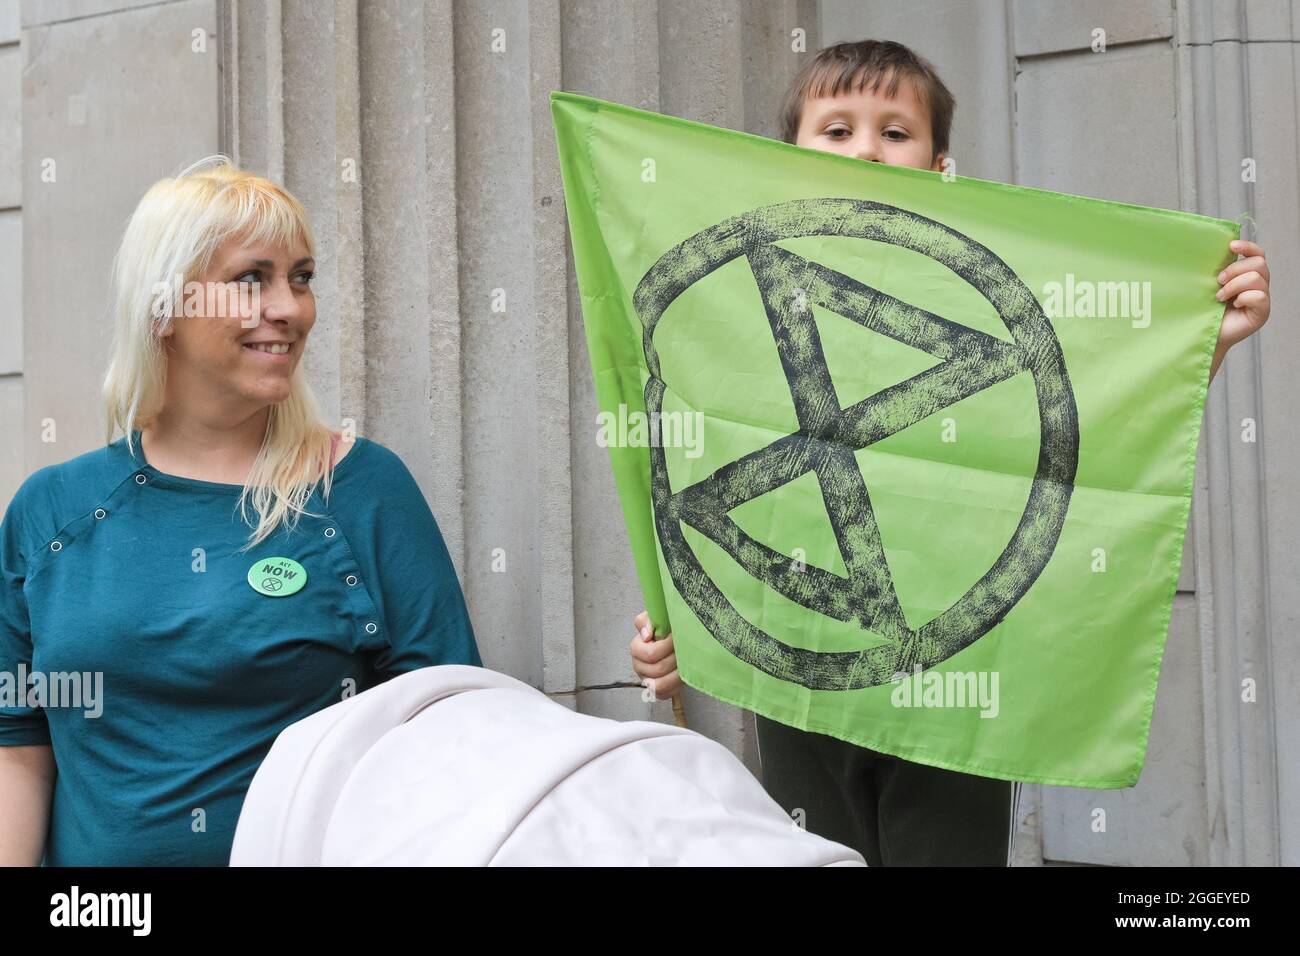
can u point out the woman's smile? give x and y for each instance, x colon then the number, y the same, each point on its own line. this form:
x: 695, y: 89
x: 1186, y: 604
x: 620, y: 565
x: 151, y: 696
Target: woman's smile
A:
x: 277, y: 353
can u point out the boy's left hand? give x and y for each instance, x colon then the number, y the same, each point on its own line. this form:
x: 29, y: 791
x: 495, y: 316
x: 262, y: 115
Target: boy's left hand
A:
x: 1245, y: 289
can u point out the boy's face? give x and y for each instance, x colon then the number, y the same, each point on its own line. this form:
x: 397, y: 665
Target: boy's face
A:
x: 869, y: 125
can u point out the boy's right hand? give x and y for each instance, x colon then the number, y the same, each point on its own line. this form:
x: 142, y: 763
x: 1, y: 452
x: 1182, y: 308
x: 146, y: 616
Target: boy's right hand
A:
x: 654, y: 661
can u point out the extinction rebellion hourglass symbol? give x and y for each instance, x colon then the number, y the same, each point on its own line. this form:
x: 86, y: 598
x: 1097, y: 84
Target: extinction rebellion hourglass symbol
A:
x: 829, y: 434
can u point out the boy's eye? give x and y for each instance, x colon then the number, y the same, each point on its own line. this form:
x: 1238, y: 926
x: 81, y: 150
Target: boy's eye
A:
x: 839, y: 132
x: 897, y: 135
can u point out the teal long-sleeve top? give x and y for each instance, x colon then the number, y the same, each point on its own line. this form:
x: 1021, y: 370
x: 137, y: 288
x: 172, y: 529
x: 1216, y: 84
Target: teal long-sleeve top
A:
x: 119, y: 576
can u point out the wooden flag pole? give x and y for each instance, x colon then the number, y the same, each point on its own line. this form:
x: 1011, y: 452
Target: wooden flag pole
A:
x: 679, y: 712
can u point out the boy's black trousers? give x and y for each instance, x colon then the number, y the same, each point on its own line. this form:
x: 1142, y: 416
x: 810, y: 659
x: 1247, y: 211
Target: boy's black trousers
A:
x: 892, y: 811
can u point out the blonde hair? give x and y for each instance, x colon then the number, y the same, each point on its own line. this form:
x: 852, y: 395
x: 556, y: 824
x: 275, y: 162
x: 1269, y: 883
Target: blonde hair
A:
x: 174, y: 232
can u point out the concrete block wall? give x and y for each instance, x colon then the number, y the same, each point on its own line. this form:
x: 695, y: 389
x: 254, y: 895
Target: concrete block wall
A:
x: 11, y: 248
x: 1239, y: 95
x: 115, y: 95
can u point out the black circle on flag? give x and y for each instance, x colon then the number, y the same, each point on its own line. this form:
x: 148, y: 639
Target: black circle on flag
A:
x: 829, y: 435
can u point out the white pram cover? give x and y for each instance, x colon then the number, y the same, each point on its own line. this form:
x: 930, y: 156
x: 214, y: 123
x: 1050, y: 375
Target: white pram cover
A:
x: 464, y: 766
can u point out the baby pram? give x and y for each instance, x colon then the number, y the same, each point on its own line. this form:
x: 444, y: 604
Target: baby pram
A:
x: 461, y: 765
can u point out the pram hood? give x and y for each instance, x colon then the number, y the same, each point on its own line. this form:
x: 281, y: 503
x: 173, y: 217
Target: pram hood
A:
x: 463, y: 766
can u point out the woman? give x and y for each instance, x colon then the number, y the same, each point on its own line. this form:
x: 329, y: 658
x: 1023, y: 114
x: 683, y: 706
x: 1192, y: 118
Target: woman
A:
x: 137, y: 566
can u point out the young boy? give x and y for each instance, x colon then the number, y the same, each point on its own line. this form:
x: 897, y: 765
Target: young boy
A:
x: 879, y: 101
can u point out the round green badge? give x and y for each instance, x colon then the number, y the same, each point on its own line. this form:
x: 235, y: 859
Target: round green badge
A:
x: 277, y: 577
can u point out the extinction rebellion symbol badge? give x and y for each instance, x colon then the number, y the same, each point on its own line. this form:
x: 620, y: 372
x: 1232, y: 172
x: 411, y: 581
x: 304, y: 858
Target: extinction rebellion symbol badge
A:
x: 829, y: 435
x: 277, y: 577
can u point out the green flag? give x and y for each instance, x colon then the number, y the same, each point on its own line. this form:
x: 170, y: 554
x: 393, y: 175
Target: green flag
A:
x: 904, y: 458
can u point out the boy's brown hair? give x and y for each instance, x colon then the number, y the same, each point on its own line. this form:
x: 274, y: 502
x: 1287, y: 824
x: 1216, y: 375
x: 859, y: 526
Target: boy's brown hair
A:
x: 842, y: 67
